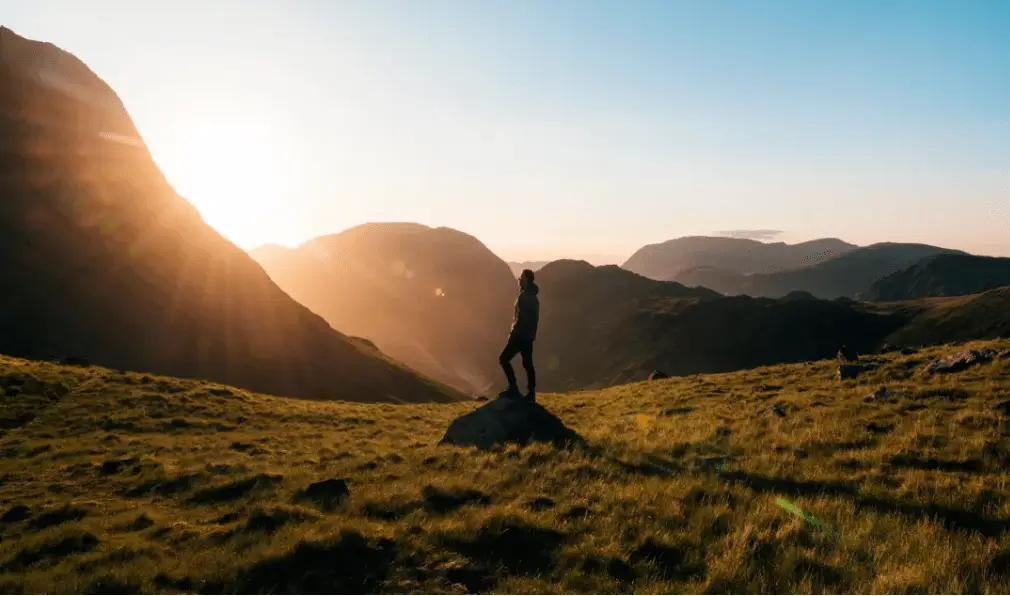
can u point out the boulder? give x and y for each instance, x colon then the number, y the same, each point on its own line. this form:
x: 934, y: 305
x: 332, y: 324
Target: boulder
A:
x: 658, y: 374
x: 851, y: 371
x: 327, y: 494
x: 507, y: 420
x: 959, y: 361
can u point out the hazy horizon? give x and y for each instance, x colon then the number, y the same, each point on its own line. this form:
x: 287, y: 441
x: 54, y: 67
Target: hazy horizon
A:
x: 566, y: 128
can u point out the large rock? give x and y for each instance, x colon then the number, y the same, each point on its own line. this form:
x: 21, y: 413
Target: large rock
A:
x: 958, y: 361
x: 505, y: 420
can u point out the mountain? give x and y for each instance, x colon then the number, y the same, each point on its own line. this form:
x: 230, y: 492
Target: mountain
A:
x: 100, y: 258
x: 952, y: 319
x: 434, y: 298
x: 943, y: 275
x: 850, y: 274
x: 604, y: 325
x: 517, y: 267
x: 666, y: 260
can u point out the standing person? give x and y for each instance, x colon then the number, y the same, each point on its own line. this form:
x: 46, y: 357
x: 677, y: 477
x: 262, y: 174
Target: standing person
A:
x: 522, y: 336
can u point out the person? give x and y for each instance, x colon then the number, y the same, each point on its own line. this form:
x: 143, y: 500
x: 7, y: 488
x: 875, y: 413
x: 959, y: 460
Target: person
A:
x: 524, y: 332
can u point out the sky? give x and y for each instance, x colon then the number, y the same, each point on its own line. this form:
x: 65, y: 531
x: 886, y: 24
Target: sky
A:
x: 575, y: 128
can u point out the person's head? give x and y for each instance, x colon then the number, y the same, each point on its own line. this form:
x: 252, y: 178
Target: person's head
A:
x: 525, y: 278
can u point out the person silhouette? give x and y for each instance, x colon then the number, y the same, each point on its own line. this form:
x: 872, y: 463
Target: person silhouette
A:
x: 526, y: 317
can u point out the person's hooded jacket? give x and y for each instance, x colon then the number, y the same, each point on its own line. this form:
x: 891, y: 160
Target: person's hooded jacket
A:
x: 527, y: 313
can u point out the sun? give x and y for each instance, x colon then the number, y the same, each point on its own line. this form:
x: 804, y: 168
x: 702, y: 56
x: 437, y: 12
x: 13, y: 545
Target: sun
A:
x: 234, y: 171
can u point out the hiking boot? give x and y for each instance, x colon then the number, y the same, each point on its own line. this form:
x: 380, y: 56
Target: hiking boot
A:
x: 511, y: 393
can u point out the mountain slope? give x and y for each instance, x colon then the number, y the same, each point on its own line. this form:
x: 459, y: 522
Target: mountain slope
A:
x: 435, y: 298
x: 102, y: 260
x: 960, y: 318
x: 604, y: 325
x: 943, y: 275
x: 849, y: 275
x: 666, y: 260
x: 688, y: 485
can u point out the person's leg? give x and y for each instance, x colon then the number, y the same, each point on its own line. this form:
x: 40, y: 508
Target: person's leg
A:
x: 531, y: 373
x: 505, y: 359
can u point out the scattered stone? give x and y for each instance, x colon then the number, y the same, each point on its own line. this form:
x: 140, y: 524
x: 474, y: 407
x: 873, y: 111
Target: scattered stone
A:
x: 675, y: 411
x: 328, y: 494
x: 541, y: 504
x: 723, y: 431
x: 777, y: 410
x: 508, y: 420
x: 657, y: 375
x: 115, y: 466
x: 879, y: 395
x: 851, y: 371
x: 879, y: 429
x: 959, y: 361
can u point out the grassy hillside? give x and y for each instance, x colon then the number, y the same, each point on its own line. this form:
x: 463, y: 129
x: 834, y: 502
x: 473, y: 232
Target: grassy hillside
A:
x: 943, y: 275
x: 123, y: 482
x: 959, y: 318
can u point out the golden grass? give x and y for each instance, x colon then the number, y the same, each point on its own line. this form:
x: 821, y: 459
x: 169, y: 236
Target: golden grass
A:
x: 118, y: 481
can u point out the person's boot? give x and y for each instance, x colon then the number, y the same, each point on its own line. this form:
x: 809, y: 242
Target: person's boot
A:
x: 512, y: 392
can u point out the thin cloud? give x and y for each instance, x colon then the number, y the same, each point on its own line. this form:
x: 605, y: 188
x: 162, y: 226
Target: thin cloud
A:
x: 752, y: 234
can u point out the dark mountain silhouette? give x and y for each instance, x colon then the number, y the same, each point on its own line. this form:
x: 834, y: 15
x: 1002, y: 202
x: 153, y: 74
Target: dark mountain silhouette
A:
x: 101, y: 260
x: 848, y: 275
x: 435, y: 298
x: 951, y: 319
x: 665, y: 261
x: 518, y: 266
x: 606, y: 325
x: 943, y: 275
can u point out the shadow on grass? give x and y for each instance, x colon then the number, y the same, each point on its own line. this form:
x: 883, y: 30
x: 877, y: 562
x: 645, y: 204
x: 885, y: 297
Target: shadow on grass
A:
x: 952, y: 518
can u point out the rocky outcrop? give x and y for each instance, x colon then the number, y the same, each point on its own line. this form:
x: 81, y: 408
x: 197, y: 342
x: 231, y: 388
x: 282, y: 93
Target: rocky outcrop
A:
x: 506, y: 420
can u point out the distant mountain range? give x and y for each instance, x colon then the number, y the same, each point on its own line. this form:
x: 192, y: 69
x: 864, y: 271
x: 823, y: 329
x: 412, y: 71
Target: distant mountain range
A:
x: 101, y: 260
x: 667, y: 260
x: 606, y: 325
x: 517, y: 267
x: 825, y: 268
x: 434, y: 298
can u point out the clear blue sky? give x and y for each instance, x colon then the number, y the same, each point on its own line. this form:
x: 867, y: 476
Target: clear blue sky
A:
x: 568, y: 126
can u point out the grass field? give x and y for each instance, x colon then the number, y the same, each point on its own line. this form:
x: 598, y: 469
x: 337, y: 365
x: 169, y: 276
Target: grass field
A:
x: 120, y: 482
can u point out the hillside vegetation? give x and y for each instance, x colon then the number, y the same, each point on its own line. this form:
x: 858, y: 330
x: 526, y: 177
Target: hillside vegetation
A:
x: 124, y: 482
x: 943, y: 275
x: 101, y: 260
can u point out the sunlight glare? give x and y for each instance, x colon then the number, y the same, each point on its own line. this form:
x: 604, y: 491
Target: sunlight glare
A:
x: 234, y: 171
